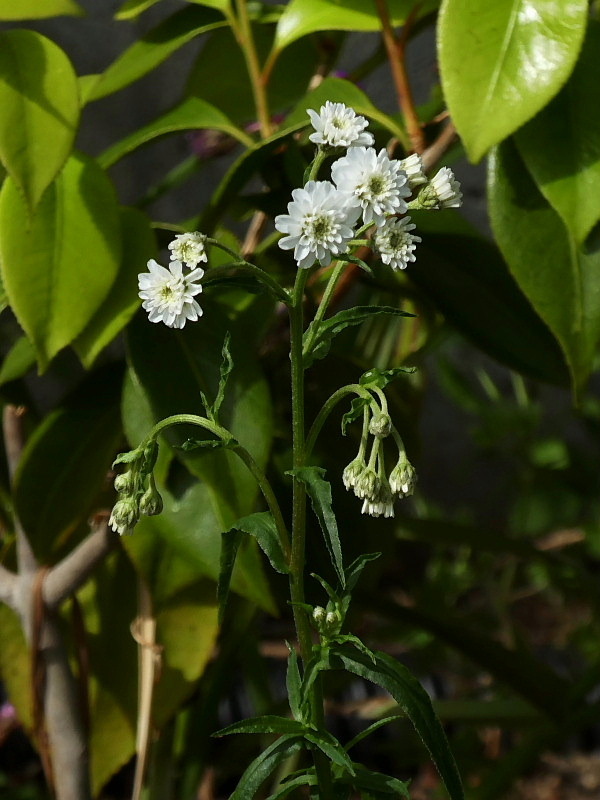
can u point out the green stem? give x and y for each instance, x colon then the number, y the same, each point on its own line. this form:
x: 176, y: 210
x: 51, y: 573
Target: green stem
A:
x: 320, y: 156
x: 324, y: 304
x: 243, y: 454
x: 241, y: 265
x: 243, y: 31
x: 329, y: 405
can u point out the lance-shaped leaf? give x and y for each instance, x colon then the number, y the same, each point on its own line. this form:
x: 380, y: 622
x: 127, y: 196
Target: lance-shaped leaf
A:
x: 502, y: 62
x: 318, y: 336
x: 262, y: 527
x: 264, y: 766
x: 330, y: 746
x: 406, y: 690
x: 293, y: 683
x: 319, y: 491
x: 34, y: 9
x: 18, y: 361
x: 133, y: 8
x: 154, y: 47
x: 379, y: 785
x: 560, y: 279
x: 59, y: 264
x: 40, y: 110
x: 561, y: 145
x: 304, y: 779
x: 268, y: 723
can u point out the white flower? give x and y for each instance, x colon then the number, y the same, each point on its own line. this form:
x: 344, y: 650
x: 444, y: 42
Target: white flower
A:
x: 374, y: 182
x: 189, y: 249
x: 413, y: 166
x: 337, y: 125
x: 124, y: 516
x: 395, y: 243
x: 403, y: 477
x: 443, y: 191
x: 318, y: 223
x: 168, y: 294
x: 382, y: 507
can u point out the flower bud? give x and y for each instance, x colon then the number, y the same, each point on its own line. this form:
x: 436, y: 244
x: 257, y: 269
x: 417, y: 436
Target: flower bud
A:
x: 380, y: 425
x: 403, y: 477
x: 319, y: 615
x: 124, y: 482
x: 124, y: 516
x: 352, y: 472
x: 149, y: 457
x: 367, y: 484
x: 151, y: 503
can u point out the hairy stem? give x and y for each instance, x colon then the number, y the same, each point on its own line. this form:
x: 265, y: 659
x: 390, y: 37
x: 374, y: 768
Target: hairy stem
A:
x: 329, y: 405
x: 243, y: 30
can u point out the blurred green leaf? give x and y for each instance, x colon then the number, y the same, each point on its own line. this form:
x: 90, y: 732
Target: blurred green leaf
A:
x: 561, y: 144
x: 34, y: 9
x: 502, y: 62
x: 269, y: 723
x: 301, y: 17
x: 263, y: 766
x: 18, y: 361
x: 471, y: 285
x: 59, y: 265
x: 122, y: 300
x: 153, y: 48
x: 191, y: 114
x: 15, y: 664
x: 66, y: 460
x: 560, y: 279
x: 40, y: 110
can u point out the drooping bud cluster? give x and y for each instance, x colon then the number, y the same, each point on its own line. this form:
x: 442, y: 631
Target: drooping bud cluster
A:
x: 136, y: 489
x: 369, y: 481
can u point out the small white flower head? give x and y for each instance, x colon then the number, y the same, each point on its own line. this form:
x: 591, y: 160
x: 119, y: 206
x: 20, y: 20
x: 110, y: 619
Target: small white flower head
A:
x: 403, y: 477
x: 319, y: 224
x: 336, y: 125
x: 352, y: 472
x: 124, y: 516
x: 413, y: 166
x: 380, y: 425
x: 319, y: 614
x: 395, y: 242
x: 367, y: 484
x: 373, y: 181
x: 381, y: 505
x: 168, y: 294
x: 443, y: 191
x: 189, y: 248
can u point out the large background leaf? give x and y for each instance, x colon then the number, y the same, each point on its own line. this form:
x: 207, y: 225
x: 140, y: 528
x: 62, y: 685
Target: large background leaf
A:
x: 560, y: 279
x: 59, y: 265
x: 40, y: 110
x: 34, y: 9
x: 501, y: 62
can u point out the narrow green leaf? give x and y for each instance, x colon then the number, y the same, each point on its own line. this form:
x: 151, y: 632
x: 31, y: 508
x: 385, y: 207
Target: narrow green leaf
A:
x: 536, y: 244
x: 261, y: 526
x: 381, y: 378
x: 269, y: 723
x: 264, y: 766
x: 39, y: 9
x: 329, y: 745
x: 318, y: 338
x: 59, y: 265
x: 224, y: 373
x: 306, y: 779
x: 64, y: 463
x: 381, y: 785
x: 230, y: 543
x: 40, y: 110
x: 356, y: 412
x: 561, y: 145
x: 502, y: 62
x: 468, y: 281
x: 354, y: 571
x: 301, y: 17
x: 371, y: 729
x: 120, y: 305
x: 406, y: 690
x: 294, y: 685
x: 18, y: 361
x: 154, y: 47
x: 319, y: 491
x: 192, y: 114
x: 133, y: 8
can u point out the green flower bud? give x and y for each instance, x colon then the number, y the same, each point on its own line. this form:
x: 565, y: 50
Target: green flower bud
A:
x: 149, y: 456
x: 151, y: 503
x: 318, y: 616
x: 125, y: 482
x: 124, y: 516
x: 403, y: 477
x: 352, y: 472
x: 380, y: 425
x: 367, y: 484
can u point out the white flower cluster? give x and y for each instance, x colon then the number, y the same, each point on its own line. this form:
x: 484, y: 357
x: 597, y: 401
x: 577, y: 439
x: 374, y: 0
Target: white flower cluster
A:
x: 320, y: 219
x: 169, y: 294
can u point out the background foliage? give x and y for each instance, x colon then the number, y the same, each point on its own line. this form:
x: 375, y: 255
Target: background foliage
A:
x: 489, y: 583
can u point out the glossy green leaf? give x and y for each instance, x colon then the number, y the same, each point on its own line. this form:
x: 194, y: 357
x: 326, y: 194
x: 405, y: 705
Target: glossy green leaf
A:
x: 154, y: 48
x: 406, y: 690
x: 191, y: 114
x: 38, y: 9
x: 264, y: 766
x: 469, y: 282
x: 561, y: 145
x: 502, y: 62
x: 329, y: 745
x: 133, y: 8
x: 293, y: 783
x: 379, y: 785
x: 40, y: 110
x: 138, y: 245
x: 18, y: 361
x: 319, y: 491
x: 59, y: 265
x: 269, y: 723
x: 65, y: 462
x: 301, y: 17
x: 560, y: 279
x: 317, y: 339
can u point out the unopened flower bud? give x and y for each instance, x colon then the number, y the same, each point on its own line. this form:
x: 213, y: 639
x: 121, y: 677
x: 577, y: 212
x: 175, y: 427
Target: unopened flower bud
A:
x: 124, y: 482
x: 319, y: 615
x: 367, y: 484
x: 403, y: 477
x: 413, y: 166
x: 151, y: 503
x: 149, y: 457
x: 352, y: 472
x: 443, y: 191
x: 380, y: 425
x: 124, y: 516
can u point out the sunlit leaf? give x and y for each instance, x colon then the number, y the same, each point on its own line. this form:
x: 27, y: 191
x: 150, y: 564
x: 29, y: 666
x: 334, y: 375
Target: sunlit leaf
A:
x: 38, y: 9
x: 18, y: 361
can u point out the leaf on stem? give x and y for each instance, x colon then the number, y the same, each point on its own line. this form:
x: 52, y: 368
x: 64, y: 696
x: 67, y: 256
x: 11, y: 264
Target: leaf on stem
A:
x: 294, y: 685
x: 268, y: 723
x: 356, y: 412
x: 266, y: 763
x: 319, y: 491
x: 321, y: 334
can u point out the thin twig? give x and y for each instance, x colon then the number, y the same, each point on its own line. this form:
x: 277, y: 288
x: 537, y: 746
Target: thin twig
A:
x: 441, y: 145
